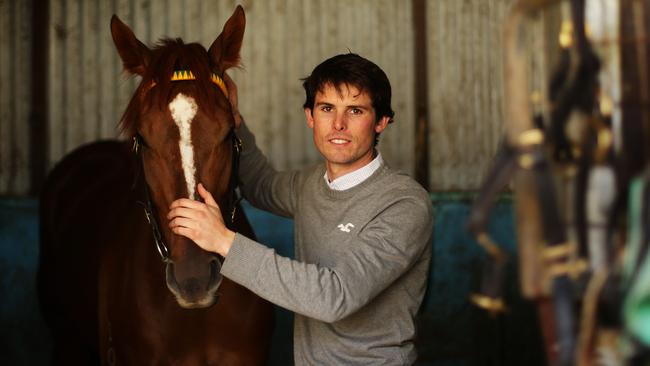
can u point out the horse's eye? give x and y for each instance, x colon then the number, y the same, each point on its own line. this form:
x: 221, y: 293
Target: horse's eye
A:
x: 139, y: 142
x: 150, y: 85
x: 146, y: 88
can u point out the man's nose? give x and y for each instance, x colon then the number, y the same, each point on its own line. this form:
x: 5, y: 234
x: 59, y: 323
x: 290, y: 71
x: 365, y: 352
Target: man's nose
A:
x: 340, y: 123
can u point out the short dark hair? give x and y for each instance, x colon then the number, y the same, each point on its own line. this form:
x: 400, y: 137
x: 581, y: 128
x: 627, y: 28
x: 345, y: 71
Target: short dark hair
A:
x: 354, y: 70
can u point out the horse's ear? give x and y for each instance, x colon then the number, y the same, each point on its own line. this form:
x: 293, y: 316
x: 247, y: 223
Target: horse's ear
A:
x: 224, y: 51
x: 134, y: 54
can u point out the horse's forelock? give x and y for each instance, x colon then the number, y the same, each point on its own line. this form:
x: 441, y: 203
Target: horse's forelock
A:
x: 171, y: 55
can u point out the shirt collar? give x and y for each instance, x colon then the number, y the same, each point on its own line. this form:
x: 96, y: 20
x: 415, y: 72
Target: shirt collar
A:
x: 356, y: 177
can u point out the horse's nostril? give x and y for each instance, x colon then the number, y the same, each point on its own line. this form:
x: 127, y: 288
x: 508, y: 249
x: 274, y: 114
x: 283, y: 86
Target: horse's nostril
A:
x: 192, y: 287
x: 169, y: 274
x: 215, y: 268
x: 195, y: 287
x: 170, y: 277
x: 215, y: 275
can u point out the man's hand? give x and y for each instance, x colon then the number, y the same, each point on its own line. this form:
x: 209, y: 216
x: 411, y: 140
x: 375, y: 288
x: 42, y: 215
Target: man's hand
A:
x: 232, y: 97
x: 201, y: 222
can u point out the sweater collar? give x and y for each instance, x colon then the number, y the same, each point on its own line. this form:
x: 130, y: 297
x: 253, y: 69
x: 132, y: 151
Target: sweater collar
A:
x: 356, y: 177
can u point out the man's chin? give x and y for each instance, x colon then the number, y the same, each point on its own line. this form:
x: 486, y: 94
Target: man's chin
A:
x: 338, y: 159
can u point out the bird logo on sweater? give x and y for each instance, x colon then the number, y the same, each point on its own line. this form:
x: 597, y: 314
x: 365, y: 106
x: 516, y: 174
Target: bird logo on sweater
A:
x: 345, y: 228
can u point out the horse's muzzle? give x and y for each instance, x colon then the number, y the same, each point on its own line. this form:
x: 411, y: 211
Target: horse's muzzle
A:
x: 195, y: 291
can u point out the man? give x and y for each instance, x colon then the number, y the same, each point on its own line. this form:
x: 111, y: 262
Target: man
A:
x: 362, y: 230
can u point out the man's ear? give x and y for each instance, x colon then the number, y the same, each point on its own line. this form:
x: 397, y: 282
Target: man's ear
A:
x: 382, y: 124
x: 310, y: 117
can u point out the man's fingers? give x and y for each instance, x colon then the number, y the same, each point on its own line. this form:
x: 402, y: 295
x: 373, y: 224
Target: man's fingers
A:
x: 186, y: 202
x: 207, y: 196
x: 183, y: 222
x: 232, y: 89
x: 184, y: 212
x: 183, y: 231
x: 232, y: 97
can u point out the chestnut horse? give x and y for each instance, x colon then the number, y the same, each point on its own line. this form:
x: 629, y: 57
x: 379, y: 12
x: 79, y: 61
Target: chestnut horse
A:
x: 104, y: 290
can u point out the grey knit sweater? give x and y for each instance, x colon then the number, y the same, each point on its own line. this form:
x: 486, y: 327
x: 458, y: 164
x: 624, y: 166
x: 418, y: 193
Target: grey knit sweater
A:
x: 362, y: 257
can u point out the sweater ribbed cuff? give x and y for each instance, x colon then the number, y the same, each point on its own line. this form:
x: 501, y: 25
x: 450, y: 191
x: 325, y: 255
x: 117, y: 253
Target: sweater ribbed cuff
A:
x: 243, y: 260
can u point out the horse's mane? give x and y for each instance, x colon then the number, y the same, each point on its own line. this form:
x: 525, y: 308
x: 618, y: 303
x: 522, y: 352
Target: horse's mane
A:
x: 167, y: 56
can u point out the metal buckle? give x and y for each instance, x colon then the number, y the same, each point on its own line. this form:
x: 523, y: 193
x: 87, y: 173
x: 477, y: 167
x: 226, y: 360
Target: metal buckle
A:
x: 491, y: 304
x: 561, y: 261
x: 486, y: 242
x: 136, y: 144
x: 238, y: 144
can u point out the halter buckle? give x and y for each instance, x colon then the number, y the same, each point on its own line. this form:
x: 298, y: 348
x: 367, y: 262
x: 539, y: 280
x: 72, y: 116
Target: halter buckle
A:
x: 136, y: 144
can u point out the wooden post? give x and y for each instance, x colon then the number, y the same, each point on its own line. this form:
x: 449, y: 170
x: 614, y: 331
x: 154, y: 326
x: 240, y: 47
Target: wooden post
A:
x: 421, y: 94
x: 38, y: 121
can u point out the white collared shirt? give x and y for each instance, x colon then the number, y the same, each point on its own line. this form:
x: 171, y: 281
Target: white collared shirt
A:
x: 354, y: 178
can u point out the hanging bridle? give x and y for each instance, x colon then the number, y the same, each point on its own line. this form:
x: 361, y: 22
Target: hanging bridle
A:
x: 149, y: 209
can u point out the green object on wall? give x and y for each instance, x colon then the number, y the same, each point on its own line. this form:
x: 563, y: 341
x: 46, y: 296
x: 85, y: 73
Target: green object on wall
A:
x: 636, y: 268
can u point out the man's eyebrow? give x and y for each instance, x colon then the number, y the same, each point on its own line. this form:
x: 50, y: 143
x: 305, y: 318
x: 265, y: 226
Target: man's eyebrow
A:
x: 364, y: 107
x: 324, y: 103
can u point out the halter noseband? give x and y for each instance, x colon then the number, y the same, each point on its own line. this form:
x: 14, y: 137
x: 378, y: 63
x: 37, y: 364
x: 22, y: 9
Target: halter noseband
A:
x: 163, y: 250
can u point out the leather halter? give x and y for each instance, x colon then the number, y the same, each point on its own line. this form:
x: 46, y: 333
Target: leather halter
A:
x: 149, y: 209
x: 182, y: 75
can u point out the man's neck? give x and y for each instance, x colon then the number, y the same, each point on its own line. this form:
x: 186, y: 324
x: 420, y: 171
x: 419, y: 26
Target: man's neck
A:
x: 335, y: 171
x: 354, y: 177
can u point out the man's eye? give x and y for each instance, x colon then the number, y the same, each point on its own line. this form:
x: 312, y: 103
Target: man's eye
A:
x: 326, y: 108
x: 356, y: 111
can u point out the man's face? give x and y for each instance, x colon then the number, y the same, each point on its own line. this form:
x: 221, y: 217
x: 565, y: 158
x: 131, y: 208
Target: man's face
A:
x: 344, y: 126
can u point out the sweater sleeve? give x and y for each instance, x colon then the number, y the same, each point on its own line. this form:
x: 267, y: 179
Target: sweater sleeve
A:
x: 386, y: 248
x: 260, y: 183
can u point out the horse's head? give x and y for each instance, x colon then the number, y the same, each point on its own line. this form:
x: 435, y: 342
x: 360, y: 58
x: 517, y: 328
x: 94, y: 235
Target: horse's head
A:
x: 185, y: 126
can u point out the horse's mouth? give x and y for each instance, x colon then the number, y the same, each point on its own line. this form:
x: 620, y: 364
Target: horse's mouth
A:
x: 203, y: 303
x: 190, y: 294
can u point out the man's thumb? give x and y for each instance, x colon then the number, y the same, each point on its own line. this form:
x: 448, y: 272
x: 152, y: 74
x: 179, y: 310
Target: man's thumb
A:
x: 207, y: 196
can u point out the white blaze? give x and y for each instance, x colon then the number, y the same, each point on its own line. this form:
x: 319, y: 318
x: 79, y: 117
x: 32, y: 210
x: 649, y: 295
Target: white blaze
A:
x: 183, y: 110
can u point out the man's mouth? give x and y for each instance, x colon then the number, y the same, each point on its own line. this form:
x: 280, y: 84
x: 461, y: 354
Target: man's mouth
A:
x: 339, y: 141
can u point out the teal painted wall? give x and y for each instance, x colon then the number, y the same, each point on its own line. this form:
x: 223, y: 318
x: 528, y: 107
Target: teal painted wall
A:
x: 24, y: 339
x: 451, y: 330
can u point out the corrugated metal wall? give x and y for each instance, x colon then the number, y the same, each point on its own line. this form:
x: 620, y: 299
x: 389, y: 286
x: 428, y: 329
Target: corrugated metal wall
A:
x: 15, y: 95
x: 466, y: 84
x: 284, y: 40
x: 465, y: 78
